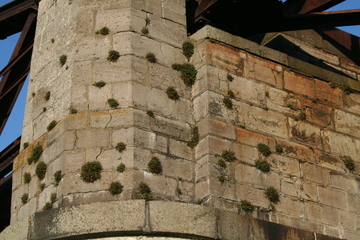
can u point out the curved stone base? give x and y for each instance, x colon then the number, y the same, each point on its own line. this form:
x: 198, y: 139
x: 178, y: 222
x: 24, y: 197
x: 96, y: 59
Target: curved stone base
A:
x: 159, y: 219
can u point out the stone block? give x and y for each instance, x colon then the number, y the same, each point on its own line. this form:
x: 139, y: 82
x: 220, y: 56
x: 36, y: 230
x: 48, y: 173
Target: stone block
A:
x: 304, y: 133
x: 202, y: 190
x: 254, y: 177
x: 160, y: 184
x: 100, y: 119
x: 285, y: 165
x: 158, y: 75
x: 151, y: 6
x: 97, y: 98
x: 85, y: 23
x: 299, y: 84
x: 72, y: 161
x: 315, y: 173
x: 120, y: 118
x: 92, y: 138
x: 333, y: 197
x: 318, y: 113
x: 338, y: 180
x: 269, y: 122
x: 348, y: 220
x: 209, y: 126
x: 213, y: 145
x: 347, y: 123
x: 79, y: 98
x: 224, y: 58
x: 313, y: 211
x: 289, y: 187
x: 352, y: 103
x: 17, y: 230
x: 247, y: 153
x: 27, y: 209
x: 167, y: 31
x: 341, y: 144
x: 248, y: 90
x: 254, y: 195
x: 87, y: 48
x: 65, y: 142
x: 264, y: 70
x: 182, y: 217
x: 72, y: 183
x: 328, y: 95
x: 158, y: 101
x: 118, y: 20
x: 290, y: 206
x: 309, y: 191
x: 175, y: 129
x: 205, y: 167
x: 177, y: 168
x: 108, y: 72
x: 126, y: 216
x: 293, y: 150
x: 210, y: 78
x: 252, y: 138
x: 174, y: 11
x: 180, y: 149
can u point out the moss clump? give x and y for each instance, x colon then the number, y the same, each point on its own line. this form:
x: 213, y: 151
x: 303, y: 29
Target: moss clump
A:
x: 228, y: 103
x: 113, y: 103
x: 104, y: 31
x: 302, y: 116
x: 188, y: 72
x: 154, y: 165
x: 53, y: 197
x: 51, y: 125
x: 145, y: 191
x: 52, y: 40
x: 145, y: 30
x: 115, y: 188
x: 228, y: 156
x: 44, y: 109
x: 272, y: 194
x: 36, y: 154
x: 349, y: 163
x: 41, y: 170
x: 247, y: 206
x: 332, y: 85
x: 42, y: 186
x: 229, y: 77
x: 264, y: 149
x: 99, y: 84
x: 151, y: 57
x: 188, y: 49
x: 121, y: 168
x: 150, y: 113
x: 47, y: 206
x: 195, y: 137
x: 172, y: 93
x: 221, y: 163
x: 278, y: 148
x: 47, y: 96
x: 231, y: 94
x: 73, y: 111
x: 24, y: 198
x: 91, y: 171
x: 62, y: 60
x: 178, y: 191
x: 113, y: 56
x: 147, y: 21
x: 345, y: 88
x: 57, y: 176
x: 120, y: 147
x: 262, y: 165
x: 221, y: 178
x: 267, y: 94
x: 25, y: 145
x: 27, y: 177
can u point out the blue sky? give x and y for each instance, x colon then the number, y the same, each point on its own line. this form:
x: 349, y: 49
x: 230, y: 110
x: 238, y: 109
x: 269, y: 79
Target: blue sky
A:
x: 13, y: 127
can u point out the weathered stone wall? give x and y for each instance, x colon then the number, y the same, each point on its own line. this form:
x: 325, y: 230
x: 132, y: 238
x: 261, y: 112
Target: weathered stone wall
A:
x: 91, y: 134
x: 275, y: 103
x: 278, y: 100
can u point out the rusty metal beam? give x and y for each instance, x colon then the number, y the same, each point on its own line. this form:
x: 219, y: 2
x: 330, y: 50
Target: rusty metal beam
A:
x: 347, y: 40
x: 307, y: 6
x: 16, y: 71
